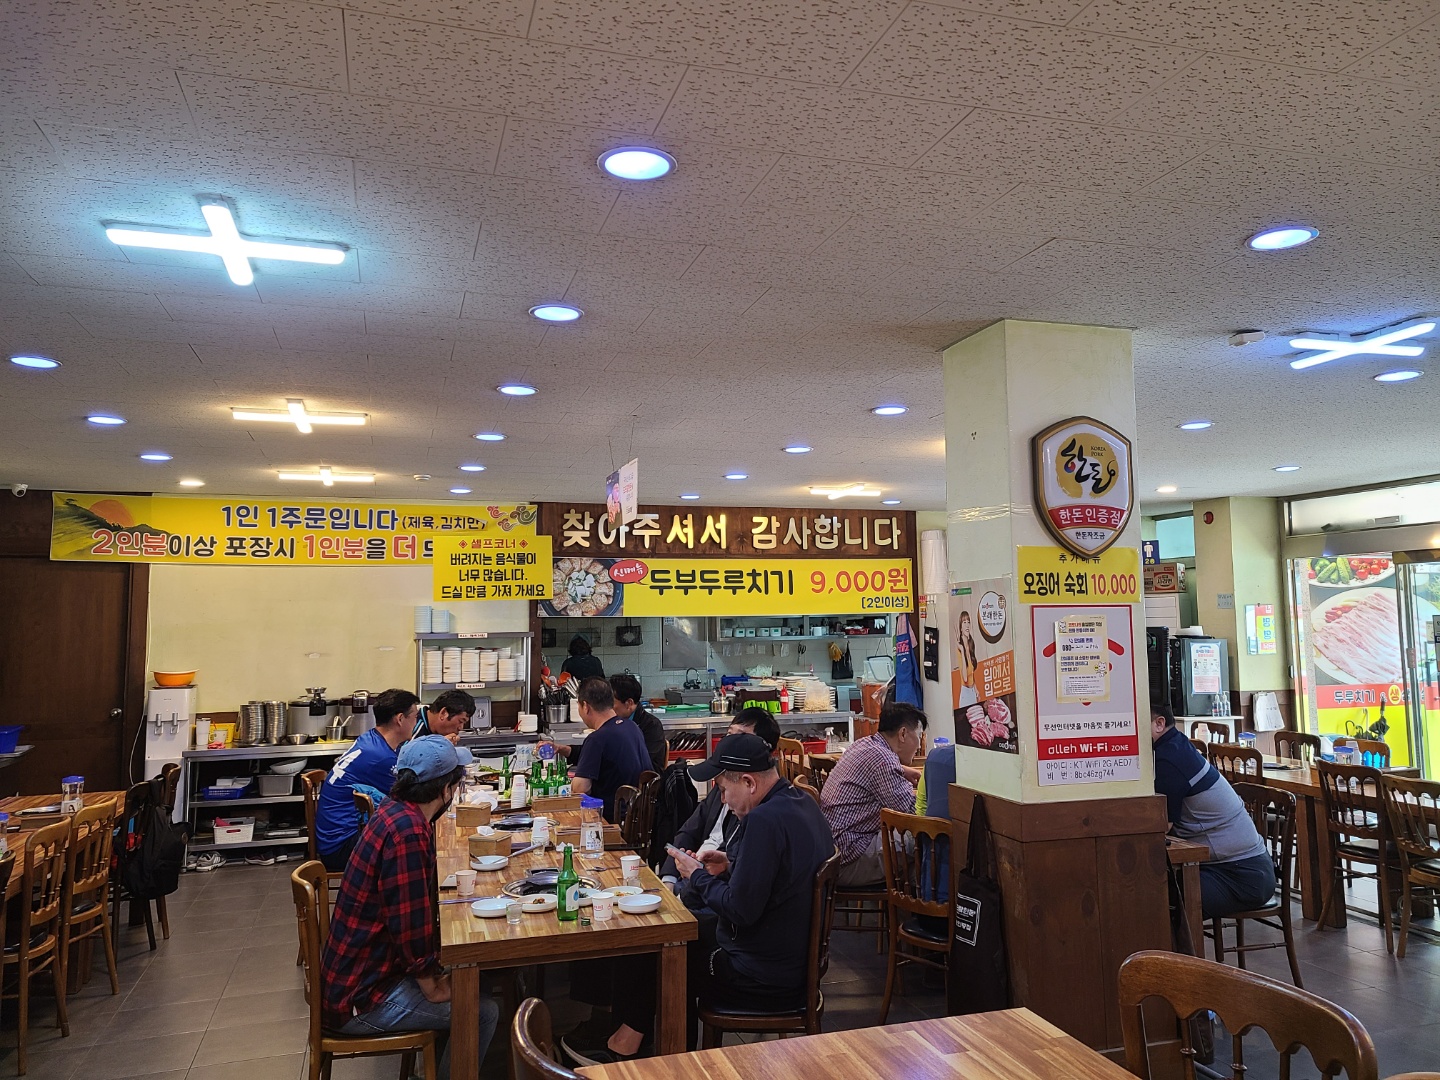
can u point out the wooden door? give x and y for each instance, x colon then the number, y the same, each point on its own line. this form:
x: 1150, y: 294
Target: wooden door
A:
x: 66, y: 651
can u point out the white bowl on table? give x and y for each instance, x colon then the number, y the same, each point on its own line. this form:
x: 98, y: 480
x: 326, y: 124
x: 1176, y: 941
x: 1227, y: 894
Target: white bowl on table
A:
x: 490, y: 862
x: 640, y: 904
x: 492, y: 907
x: 618, y: 891
x: 538, y: 904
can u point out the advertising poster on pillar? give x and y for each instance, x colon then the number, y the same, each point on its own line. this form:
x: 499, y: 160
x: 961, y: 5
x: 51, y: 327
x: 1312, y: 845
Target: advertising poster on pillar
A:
x: 1350, y: 634
x: 1087, y: 731
x: 982, y: 673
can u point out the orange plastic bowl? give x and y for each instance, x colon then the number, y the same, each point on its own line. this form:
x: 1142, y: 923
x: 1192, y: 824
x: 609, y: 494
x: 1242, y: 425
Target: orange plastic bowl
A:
x: 174, y: 678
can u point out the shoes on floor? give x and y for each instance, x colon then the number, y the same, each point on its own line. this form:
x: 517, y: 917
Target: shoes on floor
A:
x: 192, y: 863
x: 586, y: 1044
x: 211, y: 860
x: 260, y: 860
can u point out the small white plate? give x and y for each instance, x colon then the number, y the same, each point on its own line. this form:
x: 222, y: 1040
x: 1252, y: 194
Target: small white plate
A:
x: 638, y: 905
x: 618, y: 891
x: 490, y: 908
x: 536, y: 905
x: 490, y: 862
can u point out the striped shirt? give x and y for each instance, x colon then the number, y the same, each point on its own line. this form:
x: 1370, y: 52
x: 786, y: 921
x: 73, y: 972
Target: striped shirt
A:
x: 866, y: 779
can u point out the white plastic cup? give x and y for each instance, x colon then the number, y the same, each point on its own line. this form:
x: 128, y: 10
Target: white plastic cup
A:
x: 602, y: 906
x: 202, y: 734
x: 464, y: 882
x: 630, y: 869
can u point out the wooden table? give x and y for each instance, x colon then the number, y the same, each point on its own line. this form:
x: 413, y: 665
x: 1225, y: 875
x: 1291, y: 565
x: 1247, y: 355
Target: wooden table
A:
x: 30, y: 822
x: 1188, y: 855
x: 1012, y: 1045
x: 1313, y: 850
x: 469, y: 944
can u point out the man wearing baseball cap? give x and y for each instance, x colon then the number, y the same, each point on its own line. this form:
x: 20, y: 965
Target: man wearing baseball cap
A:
x: 760, y: 889
x: 381, y: 971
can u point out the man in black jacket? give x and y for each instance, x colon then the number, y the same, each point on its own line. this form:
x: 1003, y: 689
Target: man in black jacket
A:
x: 711, y: 826
x: 628, y: 706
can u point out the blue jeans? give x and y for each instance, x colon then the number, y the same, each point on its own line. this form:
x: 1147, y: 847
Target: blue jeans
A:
x: 1243, y: 885
x: 405, y: 1008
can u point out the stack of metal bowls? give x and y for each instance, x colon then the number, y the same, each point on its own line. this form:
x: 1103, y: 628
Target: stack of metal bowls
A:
x: 252, y: 723
x: 275, y: 717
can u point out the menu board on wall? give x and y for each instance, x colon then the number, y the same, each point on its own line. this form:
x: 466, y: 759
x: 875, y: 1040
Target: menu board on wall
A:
x: 982, y: 673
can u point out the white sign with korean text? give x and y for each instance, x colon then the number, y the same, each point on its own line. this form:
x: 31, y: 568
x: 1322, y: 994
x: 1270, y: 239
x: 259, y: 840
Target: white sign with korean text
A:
x: 1082, y: 667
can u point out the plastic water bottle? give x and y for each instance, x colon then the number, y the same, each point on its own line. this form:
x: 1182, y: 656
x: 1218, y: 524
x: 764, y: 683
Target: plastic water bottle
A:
x: 1327, y: 748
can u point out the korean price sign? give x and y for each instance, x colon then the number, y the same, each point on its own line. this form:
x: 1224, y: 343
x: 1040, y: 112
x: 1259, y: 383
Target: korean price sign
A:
x: 1046, y: 575
x: 489, y: 566
x: 264, y: 532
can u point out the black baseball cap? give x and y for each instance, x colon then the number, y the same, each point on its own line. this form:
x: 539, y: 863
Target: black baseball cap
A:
x: 742, y: 752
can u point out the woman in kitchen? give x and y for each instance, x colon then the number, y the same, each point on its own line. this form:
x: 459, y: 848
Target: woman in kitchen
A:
x: 582, y: 663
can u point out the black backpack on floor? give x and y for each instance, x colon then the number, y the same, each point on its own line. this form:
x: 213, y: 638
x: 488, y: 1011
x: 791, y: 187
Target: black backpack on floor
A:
x: 150, y: 847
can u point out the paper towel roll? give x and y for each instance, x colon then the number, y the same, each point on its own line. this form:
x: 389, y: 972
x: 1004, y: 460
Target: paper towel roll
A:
x: 934, y: 563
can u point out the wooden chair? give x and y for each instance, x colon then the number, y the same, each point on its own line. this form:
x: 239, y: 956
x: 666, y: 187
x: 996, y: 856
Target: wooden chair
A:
x: 820, y: 766
x: 169, y: 783
x: 637, y: 826
x: 532, y: 1045
x: 1413, y: 807
x: 1368, y: 746
x: 36, y: 944
x: 909, y: 879
x: 87, y: 881
x: 364, y: 806
x: 1202, y: 746
x: 1295, y: 744
x: 134, y: 822
x: 309, y: 885
x: 808, y: 788
x: 791, y: 755
x: 1238, y: 764
x: 311, y: 780
x: 1273, y: 812
x: 1220, y: 730
x: 1355, y: 817
x: 807, y: 1019
x: 1292, y: 1018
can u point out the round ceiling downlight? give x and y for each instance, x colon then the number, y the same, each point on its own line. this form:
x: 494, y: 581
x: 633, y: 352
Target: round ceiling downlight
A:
x: 637, y: 163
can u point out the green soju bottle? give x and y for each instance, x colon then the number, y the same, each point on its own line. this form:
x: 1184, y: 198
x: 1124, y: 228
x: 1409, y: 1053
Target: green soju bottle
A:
x: 567, y: 886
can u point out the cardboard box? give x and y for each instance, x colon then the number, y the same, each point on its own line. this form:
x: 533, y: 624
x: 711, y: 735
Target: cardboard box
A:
x: 468, y: 815
x: 552, y: 804
x: 498, y: 844
x: 1165, y: 578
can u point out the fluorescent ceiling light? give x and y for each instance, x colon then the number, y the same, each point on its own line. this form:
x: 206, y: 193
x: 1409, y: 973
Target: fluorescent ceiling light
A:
x: 852, y: 490
x: 737, y: 476
x: 889, y: 410
x: 490, y: 436
x: 105, y: 419
x: 459, y: 491
x: 1287, y: 468
x: 1288, y: 236
x: 516, y: 389
x: 556, y: 312
x: 329, y: 477
x: 224, y: 240
x: 1398, y: 376
x: 798, y: 448
x: 1381, y: 343
x: 1196, y: 425
x: 296, y: 413
x: 1167, y: 489
x: 472, y: 468
x: 637, y: 163
x: 154, y: 455
x: 192, y: 483
x: 889, y: 502
x: 690, y: 498
x: 39, y: 363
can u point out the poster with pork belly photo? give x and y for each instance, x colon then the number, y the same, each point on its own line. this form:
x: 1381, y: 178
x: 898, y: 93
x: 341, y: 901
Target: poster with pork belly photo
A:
x: 982, y: 668
x: 1352, y: 643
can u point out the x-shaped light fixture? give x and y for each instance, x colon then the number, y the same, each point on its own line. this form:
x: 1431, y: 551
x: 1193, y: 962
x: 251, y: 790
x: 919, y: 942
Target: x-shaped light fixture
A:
x: 303, y: 419
x: 1379, y: 343
x: 858, y: 490
x: 329, y: 477
x: 225, y: 241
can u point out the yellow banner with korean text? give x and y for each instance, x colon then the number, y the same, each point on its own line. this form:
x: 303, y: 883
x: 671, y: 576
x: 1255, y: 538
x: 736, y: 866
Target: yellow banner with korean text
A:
x: 636, y: 588
x: 491, y: 566
x: 239, y: 531
x: 1046, y: 575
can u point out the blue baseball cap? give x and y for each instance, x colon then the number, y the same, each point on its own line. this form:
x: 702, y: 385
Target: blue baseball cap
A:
x: 432, y: 756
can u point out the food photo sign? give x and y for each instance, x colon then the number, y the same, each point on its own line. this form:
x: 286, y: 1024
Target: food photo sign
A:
x: 982, y: 673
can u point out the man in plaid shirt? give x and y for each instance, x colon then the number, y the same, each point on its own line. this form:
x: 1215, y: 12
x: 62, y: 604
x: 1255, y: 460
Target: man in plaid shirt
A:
x: 873, y: 774
x: 381, y: 968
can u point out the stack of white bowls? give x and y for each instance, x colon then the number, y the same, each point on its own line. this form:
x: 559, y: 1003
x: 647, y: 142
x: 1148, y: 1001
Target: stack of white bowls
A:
x: 450, y: 664
x: 441, y: 621
x: 509, y: 670
x: 434, y: 666
x: 469, y: 665
x: 423, y: 621
x: 489, y: 665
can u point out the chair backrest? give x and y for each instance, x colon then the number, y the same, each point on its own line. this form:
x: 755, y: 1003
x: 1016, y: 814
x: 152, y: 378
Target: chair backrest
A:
x: 820, y: 770
x: 1219, y: 729
x: 626, y: 796
x: 1414, y: 809
x: 822, y: 920
x: 808, y: 788
x: 87, y: 862
x: 1292, y: 1018
x: 1238, y: 763
x: 1292, y: 744
x: 638, y: 822
x: 44, y: 881
x: 791, y: 753
x: 1273, y: 812
x: 310, y: 888
x: 1354, y: 806
x: 532, y: 1044
x: 7, y: 867
x: 909, y: 876
x: 364, y: 805
x: 1202, y: 746
x: 310, y: 781
x: 1368, y: 746
x: 170, y: 783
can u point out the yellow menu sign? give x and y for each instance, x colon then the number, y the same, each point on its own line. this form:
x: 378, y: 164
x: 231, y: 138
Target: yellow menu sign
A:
x: 1046, y: 575
x: 491, y: 566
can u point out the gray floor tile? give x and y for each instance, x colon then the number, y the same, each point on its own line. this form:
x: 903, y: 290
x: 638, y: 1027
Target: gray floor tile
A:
x: 141, y: 1057
x: 258, y: 1008
x: 278, y: 1037
x: 284, y: 977
x: 164, y: 989
x: 52, y: 1063
x: 288, y: 1067
x: 155, y: 1020
x: 219, y: 962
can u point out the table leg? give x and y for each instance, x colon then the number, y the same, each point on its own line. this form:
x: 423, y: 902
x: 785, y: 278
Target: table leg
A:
x: 1307, y: 855
x: 1324, y: 865
x: 673, y: 1006
x: 464, y: 1029
x: 1194, y: 913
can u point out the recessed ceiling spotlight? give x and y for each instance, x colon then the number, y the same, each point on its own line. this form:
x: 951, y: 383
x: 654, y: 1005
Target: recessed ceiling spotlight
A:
x: 105, y: 419
x: 798, y: 448
x: 690, y: 497
x: 192, y: 483
x: 472, y: 468
x: 889, y: 410
x: 1398, y: 376
x: 155, y: 455
x: 637, y: 163
x: 1287, y: 236
x: 556, y: 312
x: 889, y: 502
x: 737, y: 476
x: 490, y: 436
x: 39, y: 363
x: 1196, y: 425
x: 459, y: 491
x: 1167, y: 489
x: 1287, y: 468
x: 516, y: 389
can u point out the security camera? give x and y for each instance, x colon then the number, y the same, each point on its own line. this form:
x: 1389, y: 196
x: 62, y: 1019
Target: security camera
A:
x: 18, y: 490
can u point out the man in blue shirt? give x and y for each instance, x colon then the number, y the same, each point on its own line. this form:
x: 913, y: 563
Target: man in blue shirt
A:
x: 370, y: 763
x: 614, y: 752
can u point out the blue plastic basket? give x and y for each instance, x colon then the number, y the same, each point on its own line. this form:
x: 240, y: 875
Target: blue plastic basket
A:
x: 10, y: 738
x: 223, y: 794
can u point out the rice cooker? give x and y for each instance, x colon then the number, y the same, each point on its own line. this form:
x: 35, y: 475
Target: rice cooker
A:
x: 312, y: 715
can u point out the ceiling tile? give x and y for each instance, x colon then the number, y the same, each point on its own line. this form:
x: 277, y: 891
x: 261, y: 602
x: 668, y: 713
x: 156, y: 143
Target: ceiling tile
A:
x: 515, y: 334
x: 890, y: 245
x: 254, y: 313
x: 817, y: 41
x: 421, y: 62
x: 1410, y: 58
x: 369, y: 344
x: 368, y: 297
x: 40, y: 299
x: 196, y: 333
x: 514, y: 276
x: 66, y: 88
x: 947, y: 54
x: 758, y: 227
x: 810, y: 184
x: 131, y: 277
x: 745, y: 110
x: 1049, y: 11
x: 509, y: 17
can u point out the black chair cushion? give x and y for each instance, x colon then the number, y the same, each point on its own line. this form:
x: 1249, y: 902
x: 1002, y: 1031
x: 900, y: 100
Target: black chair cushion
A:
x: 924, y: 928
x: 37, y: 939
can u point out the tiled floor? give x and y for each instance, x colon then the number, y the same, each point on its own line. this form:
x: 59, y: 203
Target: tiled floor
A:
x: 221, y: 999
